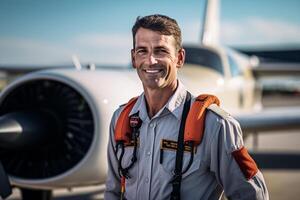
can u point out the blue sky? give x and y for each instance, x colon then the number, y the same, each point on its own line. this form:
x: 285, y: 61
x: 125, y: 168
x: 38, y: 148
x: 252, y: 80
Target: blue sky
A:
x: 50, y: 32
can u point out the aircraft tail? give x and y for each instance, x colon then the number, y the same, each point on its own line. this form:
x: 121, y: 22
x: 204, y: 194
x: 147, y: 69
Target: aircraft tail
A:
x: 211, y: 23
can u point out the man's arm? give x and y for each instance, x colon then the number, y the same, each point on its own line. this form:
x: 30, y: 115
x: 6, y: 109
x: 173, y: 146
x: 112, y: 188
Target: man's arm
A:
x: 235, y: 170
x: 112, y: 191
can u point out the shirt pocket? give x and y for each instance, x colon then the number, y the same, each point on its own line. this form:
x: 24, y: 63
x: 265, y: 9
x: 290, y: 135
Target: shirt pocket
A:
x: 169, y: 159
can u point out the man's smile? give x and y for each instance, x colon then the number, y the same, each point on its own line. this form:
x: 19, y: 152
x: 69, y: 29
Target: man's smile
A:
x: 153, y: 71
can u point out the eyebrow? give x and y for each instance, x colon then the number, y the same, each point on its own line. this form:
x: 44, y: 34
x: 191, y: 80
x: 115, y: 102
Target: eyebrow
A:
x: 161, y: 47
x: 140, y: 47
x: 157, y: 47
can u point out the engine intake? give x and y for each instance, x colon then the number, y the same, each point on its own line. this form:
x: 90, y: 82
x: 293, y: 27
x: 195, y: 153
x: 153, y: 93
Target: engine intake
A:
x: 46, y: 128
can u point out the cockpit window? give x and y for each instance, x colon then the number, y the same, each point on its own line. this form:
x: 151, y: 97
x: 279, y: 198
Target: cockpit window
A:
x: 234, y: 68
x: 203, y: 57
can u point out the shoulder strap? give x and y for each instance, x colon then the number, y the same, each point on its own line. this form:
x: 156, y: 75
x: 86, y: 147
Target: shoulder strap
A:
x: 175, y: 195
x: 195, y: 122
x: 123, y: 129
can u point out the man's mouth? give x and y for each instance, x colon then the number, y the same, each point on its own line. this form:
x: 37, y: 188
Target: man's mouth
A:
x: 153, y: 71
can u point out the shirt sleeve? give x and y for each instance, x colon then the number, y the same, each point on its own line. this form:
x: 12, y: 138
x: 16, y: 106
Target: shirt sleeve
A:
x: 113, y: 188
x: 233, y: 167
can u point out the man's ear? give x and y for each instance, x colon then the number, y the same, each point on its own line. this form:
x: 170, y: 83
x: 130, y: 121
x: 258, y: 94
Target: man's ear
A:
x: 133, y: 58
x: 180, y: 58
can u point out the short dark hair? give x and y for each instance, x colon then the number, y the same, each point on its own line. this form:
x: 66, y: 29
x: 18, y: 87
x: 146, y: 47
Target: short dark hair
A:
x: 160, y: 23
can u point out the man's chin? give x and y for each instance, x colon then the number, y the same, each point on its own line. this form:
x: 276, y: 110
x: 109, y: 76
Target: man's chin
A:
x: 153, y: 86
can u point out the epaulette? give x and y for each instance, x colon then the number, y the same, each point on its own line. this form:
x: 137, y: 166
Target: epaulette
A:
x: 219, y: 111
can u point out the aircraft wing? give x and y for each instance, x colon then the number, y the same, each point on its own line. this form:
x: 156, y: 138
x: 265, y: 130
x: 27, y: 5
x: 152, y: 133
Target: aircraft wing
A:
x: 274, y: 55
x: 276, y: 69
x: 273, y: 119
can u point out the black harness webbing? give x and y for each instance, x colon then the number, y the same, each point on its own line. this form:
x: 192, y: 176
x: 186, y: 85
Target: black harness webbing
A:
x: 175, y: 195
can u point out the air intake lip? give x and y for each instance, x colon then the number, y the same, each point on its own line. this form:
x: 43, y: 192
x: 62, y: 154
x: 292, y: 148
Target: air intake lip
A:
x: 71, y: 117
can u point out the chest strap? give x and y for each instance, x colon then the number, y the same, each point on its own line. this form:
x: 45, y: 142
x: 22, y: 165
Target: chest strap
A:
x: 176, y: 182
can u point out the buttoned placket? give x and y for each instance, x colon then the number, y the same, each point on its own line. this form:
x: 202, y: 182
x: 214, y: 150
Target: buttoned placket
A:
x: 149, y: 137
x: 152, y: 134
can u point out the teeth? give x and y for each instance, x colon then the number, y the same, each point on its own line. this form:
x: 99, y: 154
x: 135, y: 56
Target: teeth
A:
x: 152, y: 71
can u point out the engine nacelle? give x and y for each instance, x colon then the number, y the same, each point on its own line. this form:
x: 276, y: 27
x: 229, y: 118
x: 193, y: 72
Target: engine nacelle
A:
x: 80, y: 105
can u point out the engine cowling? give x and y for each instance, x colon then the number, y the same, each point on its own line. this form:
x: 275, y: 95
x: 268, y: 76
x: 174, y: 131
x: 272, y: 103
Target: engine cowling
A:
x: 64, y: 116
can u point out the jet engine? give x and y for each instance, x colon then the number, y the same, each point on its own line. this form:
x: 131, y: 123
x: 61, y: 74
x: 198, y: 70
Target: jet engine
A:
x: 54, y: 125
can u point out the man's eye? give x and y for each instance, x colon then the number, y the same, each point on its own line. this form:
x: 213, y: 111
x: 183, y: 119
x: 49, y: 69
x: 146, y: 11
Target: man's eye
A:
x: 141, y: 51
x: 161, y: 51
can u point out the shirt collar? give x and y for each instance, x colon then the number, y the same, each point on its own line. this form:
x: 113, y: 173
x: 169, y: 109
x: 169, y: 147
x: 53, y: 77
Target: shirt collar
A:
x: 176, y: 101
x: 140, y: 107
x: 174, y: 104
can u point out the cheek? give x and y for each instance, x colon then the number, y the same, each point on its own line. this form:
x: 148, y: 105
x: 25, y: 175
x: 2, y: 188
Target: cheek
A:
x: 135, y: 65
x: 138, y: 63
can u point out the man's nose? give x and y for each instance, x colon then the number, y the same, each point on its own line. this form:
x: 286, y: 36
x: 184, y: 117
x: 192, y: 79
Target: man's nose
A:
x: 152, y: 59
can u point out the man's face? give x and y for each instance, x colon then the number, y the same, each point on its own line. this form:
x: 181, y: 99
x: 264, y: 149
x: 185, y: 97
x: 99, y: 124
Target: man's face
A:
x: 156, y: 59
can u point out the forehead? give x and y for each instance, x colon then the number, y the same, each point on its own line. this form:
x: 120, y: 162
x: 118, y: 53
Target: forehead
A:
x: 145, y: 37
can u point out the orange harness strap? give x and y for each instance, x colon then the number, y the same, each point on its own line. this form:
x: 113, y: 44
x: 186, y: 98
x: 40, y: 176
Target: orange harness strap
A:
x: 123, y: 129
x: 195, y: 123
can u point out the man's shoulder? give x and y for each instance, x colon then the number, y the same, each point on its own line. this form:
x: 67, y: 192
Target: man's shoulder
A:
x: 216, y: 114
x: 117, y: 113
x: 220, y: 124
x: 122, y: 105
x: 119, y: 109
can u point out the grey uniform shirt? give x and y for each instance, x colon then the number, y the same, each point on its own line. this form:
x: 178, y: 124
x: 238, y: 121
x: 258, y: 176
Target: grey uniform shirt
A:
x: 212, y: 171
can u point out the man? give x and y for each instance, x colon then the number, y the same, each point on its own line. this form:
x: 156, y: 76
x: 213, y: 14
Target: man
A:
x: 157, y: 54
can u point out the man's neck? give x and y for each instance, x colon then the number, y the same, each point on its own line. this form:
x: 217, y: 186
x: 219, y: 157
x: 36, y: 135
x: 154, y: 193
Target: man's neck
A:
x: 157, y: 98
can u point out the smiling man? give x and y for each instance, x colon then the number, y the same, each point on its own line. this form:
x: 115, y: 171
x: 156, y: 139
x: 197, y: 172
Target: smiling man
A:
x: 149, y: 160
x: 156, y: 58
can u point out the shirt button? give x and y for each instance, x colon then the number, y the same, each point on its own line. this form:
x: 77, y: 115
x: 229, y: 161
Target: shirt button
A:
x: 147, y: 180
x: 151, y: 125
x: 148, y: 153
